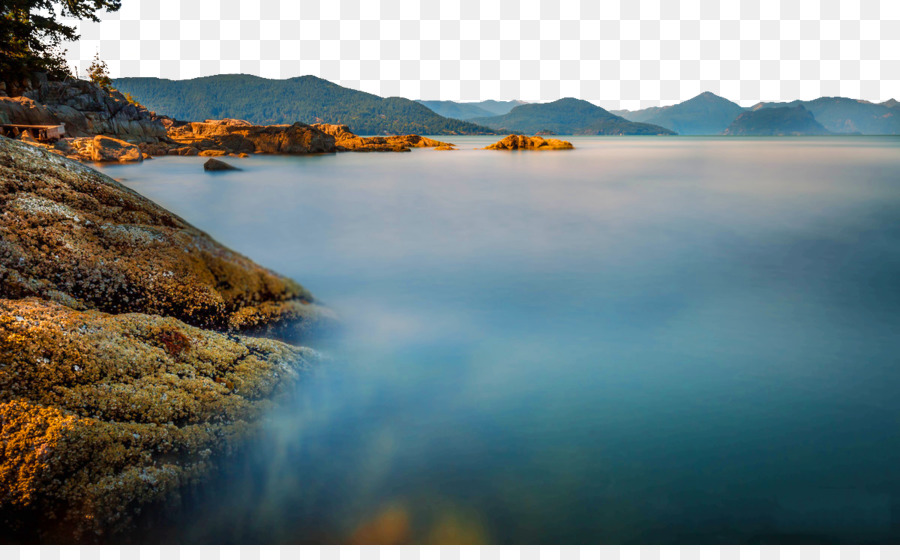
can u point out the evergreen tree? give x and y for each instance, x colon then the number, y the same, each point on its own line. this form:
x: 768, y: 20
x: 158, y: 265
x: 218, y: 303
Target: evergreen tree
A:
x: 99, y: 73
x: 32, y: 32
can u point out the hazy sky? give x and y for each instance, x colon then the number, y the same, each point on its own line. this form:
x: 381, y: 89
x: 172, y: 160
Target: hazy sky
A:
x: 619, y: 54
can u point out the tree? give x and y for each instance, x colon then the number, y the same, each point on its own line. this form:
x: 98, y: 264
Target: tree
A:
x: 32, y: 32
x: 99, y: 73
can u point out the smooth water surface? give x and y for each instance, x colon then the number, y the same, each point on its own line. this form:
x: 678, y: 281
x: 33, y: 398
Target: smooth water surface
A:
x: 650, y: 339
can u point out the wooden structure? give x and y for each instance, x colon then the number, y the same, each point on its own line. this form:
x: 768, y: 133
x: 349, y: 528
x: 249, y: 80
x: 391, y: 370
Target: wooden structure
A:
x: 41, y: 132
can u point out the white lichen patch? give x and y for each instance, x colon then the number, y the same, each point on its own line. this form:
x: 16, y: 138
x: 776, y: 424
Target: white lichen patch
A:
x: 126, y: 233
x: 34, y: 205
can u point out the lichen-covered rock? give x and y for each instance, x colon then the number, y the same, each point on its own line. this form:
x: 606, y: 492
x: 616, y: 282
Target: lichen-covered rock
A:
x: 521, y: 142
x: 73, y: 235
x: 102, y: 415
x: 347, y: 141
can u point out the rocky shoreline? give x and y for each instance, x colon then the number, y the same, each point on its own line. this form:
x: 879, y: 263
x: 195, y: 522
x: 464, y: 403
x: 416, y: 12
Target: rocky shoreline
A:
x: 135, y: 351
x: 105, y: 126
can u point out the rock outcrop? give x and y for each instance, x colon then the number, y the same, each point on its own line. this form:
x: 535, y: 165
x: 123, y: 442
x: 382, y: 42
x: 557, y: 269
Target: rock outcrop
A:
x: 73, y: 235
x: 233, y: 136
x: 218, y: 165
x: 349, y: 142
x: 103, y: 415
x: 125, y: 366
x: 520, y: 142
x: 86, y: 110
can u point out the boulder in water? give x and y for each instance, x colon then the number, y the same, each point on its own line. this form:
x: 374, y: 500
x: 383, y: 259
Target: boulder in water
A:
x: 213, y: 164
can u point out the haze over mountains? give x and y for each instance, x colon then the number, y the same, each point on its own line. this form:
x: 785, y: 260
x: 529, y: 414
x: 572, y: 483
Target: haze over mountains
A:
x: 849, y: 116
x: 471, y: 109
x: 789, y: 120
x: 567, y: 116
x: 310, y: 99
x: 704, y: 114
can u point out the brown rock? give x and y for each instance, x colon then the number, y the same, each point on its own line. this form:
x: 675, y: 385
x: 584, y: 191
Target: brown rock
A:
x: 347, y: 141
x: 212, y: 153
x: 216, y: 165
x: 106, y: 149
x: 520, y: 142
x: 235, y: 136
x: 184, y: 151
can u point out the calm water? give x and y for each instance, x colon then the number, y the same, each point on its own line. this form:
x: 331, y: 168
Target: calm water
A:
x: 657, y: 340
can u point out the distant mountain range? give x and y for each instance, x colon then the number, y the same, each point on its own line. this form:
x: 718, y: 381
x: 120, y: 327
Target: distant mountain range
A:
x: 710, y: 114
x: 567, y: 116
x: 849, y: 116
x: 472, y: 109
x: 793, y: 120
x: 306, y: 99
x: 705, y: 114
x: 310, y: 99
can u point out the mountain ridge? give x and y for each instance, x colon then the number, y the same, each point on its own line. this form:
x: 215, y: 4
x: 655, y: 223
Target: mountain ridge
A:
x: 307, y: 99
x: 466, y: 110
x: 568, y: 116
x: 792, y: 120
x: 703, y: 114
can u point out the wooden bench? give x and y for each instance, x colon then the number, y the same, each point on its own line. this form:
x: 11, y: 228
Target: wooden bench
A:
x: 41, y: 132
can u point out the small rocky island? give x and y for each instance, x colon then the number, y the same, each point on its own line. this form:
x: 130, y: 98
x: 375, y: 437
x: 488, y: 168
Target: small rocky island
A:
x: 521, y: 142
x: 127, y: 365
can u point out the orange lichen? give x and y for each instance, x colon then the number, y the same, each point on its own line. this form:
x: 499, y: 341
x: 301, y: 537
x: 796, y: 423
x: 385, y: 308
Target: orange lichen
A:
x: 173, y: 340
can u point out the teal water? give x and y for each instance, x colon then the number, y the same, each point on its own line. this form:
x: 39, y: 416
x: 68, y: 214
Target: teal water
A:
x: 641, y: 340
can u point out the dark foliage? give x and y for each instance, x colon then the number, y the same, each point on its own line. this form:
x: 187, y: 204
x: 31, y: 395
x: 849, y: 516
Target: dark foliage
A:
x: 777, y: 121
x: 31, y: 32
x: 306, y: 99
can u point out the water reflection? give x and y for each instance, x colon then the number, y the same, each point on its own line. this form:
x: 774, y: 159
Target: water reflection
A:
x: 655, y: 340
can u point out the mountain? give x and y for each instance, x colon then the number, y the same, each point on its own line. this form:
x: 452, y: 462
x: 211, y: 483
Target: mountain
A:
x: 471, y: 110
x: 704, y: 114
x: 846, y: 116
x: 891, y: 103
x: 792, y: 120
x: 567, y: 116
x: 307, y: 99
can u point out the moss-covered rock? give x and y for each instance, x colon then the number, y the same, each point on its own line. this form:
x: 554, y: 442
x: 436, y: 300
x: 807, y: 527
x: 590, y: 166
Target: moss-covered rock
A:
x: 73, y: 235
x: 126, y: 369
x: 101, y: 415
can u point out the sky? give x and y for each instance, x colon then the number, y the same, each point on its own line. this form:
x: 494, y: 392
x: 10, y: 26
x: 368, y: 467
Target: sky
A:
x: 620, y: 54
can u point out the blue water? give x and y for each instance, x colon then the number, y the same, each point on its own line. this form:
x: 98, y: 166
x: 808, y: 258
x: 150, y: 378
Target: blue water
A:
x: 654, y: 340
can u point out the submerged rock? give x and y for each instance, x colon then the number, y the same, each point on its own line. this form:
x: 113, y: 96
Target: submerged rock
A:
x: 73, y: 235
x: 521, y: 142
x: 216, y: 165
